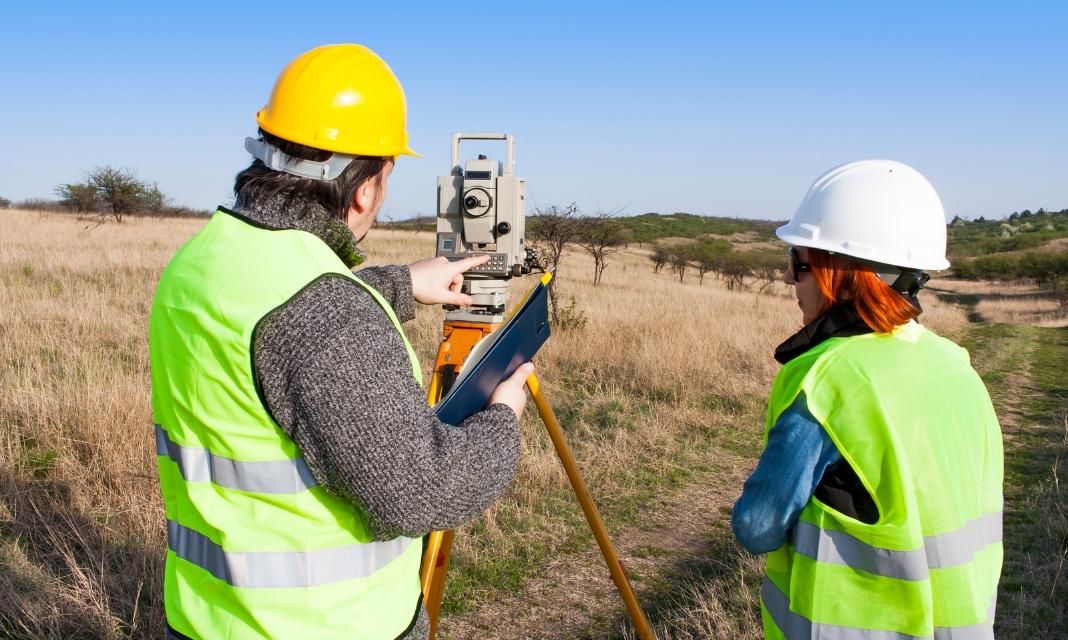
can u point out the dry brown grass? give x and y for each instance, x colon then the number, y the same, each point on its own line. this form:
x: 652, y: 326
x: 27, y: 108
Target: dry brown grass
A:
x: 1007, y: 302
x: 661, y: 376
x: 81, y: 533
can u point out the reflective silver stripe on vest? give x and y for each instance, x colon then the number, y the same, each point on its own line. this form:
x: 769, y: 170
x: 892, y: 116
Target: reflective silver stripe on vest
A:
x: 938, y: 552
x: 837, y: 547
x: 269, y: 476
x: 958, y: 547
x: 280, y: 569
x: 797, y: 627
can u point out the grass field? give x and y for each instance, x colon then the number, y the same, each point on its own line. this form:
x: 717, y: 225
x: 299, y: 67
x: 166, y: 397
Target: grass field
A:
x: 660, y: 392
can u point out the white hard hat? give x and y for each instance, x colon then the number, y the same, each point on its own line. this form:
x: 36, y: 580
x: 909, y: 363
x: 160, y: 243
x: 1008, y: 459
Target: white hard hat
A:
x: 874, y: 210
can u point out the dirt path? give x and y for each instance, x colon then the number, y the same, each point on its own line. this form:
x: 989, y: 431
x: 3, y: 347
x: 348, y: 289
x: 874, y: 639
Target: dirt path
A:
x: 1024, y: 370
x: 573, y: 595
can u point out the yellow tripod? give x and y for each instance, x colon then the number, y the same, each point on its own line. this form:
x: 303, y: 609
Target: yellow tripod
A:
x: 459, y: 337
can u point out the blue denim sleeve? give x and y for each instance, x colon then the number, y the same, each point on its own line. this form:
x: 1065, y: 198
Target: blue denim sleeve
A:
x: 786, y: 476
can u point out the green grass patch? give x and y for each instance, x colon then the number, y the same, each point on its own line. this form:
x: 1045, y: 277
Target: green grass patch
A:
x: 557, y: 524
x: 1024, y: 370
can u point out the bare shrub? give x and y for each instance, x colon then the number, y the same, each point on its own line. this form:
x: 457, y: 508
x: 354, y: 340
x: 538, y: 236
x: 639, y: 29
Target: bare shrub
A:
x: 552, y: 231
x: 119, y: 189
x: 734, y: 268
x: 571, y: 317
x: 601, y: 236
x: 660, y: 257
x: 679, y: 257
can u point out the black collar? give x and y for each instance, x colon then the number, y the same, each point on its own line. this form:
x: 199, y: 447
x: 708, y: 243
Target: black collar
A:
x: 840, y: 322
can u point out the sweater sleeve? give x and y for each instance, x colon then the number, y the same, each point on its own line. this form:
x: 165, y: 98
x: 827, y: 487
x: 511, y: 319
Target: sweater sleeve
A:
x: 798, y: 453
x: 394, y: 282
x: 335, y: 376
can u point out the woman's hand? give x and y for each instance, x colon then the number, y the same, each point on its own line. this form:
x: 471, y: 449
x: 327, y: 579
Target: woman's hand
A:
x: 438, y: 280
x: 511, y: 391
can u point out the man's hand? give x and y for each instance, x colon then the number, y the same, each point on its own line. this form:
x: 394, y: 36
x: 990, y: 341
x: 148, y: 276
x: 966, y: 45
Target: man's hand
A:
x: 511, y: 391
x: 438, y: 280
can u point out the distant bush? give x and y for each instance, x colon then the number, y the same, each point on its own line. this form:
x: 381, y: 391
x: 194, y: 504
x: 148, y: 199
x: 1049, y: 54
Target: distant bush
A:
x: 113, y: 191
x: 707, y: 255
x: 37, y: 204
x: 1041, y: 267
x: 184, y: 212
x: 661, y: 254
x: 80, y: 198
x: 5, y: 203
x: 570, y: 317
x: 737, y: 269
x: 1045, y: 269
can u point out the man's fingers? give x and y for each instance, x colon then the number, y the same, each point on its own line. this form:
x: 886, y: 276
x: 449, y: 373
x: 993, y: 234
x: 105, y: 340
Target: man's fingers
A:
x: 469, y: 263
x: 459, y: 299
x: 457, y: 283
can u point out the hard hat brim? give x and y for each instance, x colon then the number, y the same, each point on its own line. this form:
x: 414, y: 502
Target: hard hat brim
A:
x: 787, y: 234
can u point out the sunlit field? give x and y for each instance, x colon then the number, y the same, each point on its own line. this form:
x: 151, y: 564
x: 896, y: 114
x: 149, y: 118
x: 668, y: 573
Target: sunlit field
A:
x: 653, y: 379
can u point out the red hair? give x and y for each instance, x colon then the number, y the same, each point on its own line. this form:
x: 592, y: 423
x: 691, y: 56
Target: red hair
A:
x: 877, y: 304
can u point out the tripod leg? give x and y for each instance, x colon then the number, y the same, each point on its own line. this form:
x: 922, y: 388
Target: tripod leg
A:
x: 615, y: 567
x: 434, y: 568
x: 458, y: 340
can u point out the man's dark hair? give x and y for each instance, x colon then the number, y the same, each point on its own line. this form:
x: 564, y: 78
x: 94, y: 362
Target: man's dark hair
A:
x: 258, y: 183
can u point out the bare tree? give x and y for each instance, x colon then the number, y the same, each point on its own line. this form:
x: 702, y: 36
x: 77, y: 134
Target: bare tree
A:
x: 660, y: 257
x: 679, y: 258
x: 767, y: 269
x: 601, y: 236
x: 118, y: 189
x: 552, y: 231
x: 152, y: 199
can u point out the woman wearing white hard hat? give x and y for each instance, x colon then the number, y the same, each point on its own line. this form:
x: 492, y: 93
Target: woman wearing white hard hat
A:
x: 878, y: 496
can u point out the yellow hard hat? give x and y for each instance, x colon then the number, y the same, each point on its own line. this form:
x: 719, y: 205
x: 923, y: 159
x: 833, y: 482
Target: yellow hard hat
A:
x: 341, y: 98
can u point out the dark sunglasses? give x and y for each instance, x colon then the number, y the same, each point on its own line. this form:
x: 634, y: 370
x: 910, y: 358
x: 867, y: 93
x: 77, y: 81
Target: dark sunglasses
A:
x: 796, y: 266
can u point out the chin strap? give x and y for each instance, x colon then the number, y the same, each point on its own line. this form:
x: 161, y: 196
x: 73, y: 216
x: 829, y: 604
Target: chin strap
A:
x: 910, y: 282
x: 907, y: 281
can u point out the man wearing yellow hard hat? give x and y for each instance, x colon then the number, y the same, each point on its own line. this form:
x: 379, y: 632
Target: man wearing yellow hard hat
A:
x: 299, y: 463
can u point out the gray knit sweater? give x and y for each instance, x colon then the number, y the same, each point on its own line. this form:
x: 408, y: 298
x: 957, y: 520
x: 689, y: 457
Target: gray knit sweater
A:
x: 335, y: 376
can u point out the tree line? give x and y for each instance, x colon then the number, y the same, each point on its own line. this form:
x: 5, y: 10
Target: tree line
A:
x: 554, y: 231
x: 737, y: 269
x: 1047, y: 269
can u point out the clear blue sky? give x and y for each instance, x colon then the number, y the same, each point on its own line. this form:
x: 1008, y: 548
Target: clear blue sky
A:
x: 715, y: 110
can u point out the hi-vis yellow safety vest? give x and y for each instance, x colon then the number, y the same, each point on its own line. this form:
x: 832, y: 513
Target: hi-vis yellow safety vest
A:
x: 912, y: 418
x: 255, y: 548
